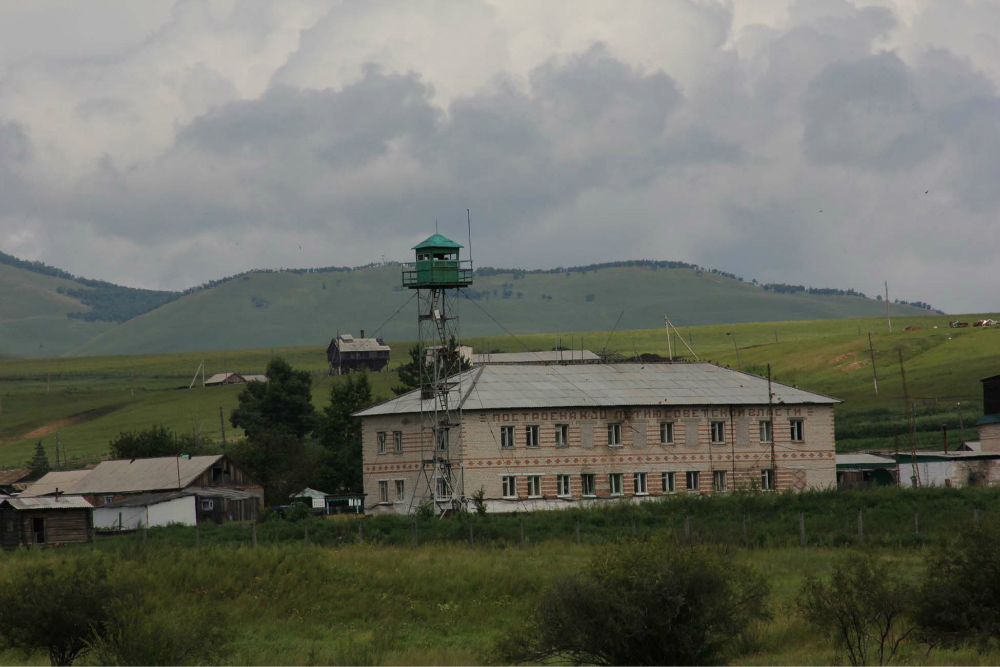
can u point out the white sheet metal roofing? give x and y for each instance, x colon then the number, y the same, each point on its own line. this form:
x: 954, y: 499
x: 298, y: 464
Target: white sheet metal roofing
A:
x: 863, y: 460
x: 547, y: 356
x: 48, y: 503
x: 348, y: 343
x: 47, y: 484
x: 603, y: 385
x: 129, y: 476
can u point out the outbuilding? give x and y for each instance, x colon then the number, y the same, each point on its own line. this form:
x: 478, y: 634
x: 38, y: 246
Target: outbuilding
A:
x: 347, y: 353
x: 865, y: 471
x: 188, y: 508
x: 45, y: 521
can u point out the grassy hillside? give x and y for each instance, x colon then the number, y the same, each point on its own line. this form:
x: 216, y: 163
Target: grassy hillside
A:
x: 88, y: 400
x: 33, y: 314
x: 281, y: 309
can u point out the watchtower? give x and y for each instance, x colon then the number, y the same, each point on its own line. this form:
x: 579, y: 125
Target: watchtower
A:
x: 438, y: 274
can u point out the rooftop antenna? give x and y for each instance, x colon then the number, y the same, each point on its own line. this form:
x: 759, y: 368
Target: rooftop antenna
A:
x: 468, y: 219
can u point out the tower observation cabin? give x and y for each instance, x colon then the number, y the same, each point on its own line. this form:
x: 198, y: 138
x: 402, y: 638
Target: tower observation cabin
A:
x: 438, y: 266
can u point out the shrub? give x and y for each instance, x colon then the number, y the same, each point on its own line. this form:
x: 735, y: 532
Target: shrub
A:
x: 644, y: 603
x: 863, y: 609
x: 479, y: 501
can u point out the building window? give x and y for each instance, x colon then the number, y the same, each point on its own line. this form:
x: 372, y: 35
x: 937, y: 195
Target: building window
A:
x: 531, y: 436
x: 719, y: 480
x: 562, y: 485
x: 509, y: 486
x: 207, y: 504
x: 442, y: 439
x: 507, y: 437
x: 381, y: 442
x: 668, y: 481
x: 639, y: 483
x: 588, y: 485
x: 534, y: 486
x: 796, y: 430
x: 718, y: 432
x: 397, y: 442
x: 666, y: 433
x: 108, y: 500
x: 766, y: 431
x: 614, y: 435
x: 693, y: 479
x: 767, y: 479
x: 400, y: 490
x: 383, y: 491
x: 615, y: 483
x: 442, y: 489
x: 562, y: 435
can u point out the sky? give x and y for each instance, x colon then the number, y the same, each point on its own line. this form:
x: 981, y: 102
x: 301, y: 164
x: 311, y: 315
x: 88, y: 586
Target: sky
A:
x: 829, y: 143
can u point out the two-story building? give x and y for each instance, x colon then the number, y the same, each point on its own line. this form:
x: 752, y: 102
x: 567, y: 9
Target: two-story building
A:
x: 536, y: 436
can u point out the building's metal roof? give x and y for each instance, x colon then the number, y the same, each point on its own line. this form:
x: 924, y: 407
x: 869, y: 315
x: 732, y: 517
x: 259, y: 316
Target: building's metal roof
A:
x: 494, y: 387
x: 255, y: 378
x: 221, y: 492
x: 348, y: 343
x: 159, y: 474
x: 547, y: 356
x: 220, y: 378
x: 906, y: 457
x: 988, y: 419
x: 12, y: 476
x: 437, y: 241
x: 309, y: 493
x: 863, y: 461
x: 48, y: 503
x: 145, y: 499
x: 64, y: 480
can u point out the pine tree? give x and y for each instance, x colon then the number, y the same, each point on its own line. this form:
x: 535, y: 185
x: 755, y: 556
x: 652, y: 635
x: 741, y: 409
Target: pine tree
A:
x: 39, y: 463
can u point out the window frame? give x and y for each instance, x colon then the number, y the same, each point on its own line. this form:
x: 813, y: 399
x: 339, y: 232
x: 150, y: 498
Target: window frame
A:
x: 644, y: 478
x: 109, y: 499
x: 615, y: 434
x: 564, y: 486
x: 766, y: 479
x: 797, y: 425
x: 717, y: 476
x: 507, y: 434
x: 531, y: 433
x: 668, y: 481
x: 207, y: 504
x: 400, y: 489
x: 536, y: 482
x: 562, y: 435
x: 592, y: 479
x: 696, y: 476
x: 442, y: 439
x: 667, y: 435
x: 383, y: 492
x: 397, y: 442
x: 380, y: 439
x: 768, y: 426
x: 612, y: 478
x: 509, y: 483
x: 441, y: 496
x: 721, y: 423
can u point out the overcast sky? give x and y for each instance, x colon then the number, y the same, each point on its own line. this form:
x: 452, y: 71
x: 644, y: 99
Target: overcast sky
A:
x: 825, y: 142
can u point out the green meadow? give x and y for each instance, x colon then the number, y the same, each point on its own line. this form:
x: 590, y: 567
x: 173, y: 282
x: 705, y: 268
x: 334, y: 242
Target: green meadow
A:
x: 88, y: 400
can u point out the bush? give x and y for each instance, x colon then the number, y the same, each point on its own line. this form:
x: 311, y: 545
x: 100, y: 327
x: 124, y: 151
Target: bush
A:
x: 645, y: 603
x: 863, y: 609
x: 959, y: 600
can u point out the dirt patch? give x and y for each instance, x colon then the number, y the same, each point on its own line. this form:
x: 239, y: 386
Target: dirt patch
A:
x: 836, y: 360
x: 80, y: 417
x: 857, y: 364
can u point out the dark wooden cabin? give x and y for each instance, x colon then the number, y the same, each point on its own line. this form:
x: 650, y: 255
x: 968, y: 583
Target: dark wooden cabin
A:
x: 347, y: 353
x: 46, y: 521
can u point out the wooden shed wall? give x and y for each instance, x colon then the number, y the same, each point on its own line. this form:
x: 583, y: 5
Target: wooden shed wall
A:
x: 62, y: 526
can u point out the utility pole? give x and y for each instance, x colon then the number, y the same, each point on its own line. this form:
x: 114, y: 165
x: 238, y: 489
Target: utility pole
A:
x: 131, y: 377
x: 871, y: 349
x: 961, y: 424
x: 736, y: 345
x: 888, y: 321
x: 944, y: 434
x: 670, y: 350
x: 913, y: 425
x: 222, y: 423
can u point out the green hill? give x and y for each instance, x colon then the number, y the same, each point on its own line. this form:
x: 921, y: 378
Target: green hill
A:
x: 286, y: 309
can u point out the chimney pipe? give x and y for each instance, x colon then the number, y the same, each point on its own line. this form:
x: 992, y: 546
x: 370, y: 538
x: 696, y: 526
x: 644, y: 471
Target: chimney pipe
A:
x: 362, y: 333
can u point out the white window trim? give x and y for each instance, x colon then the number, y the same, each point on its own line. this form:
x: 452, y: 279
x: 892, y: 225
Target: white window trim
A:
x: 669, y: 475
x: 621, y: 489
x: 645, y: 479
x: 769, y: 473
x: 539, y: 478
x: 510, y: 441
x: 725, y: 481
x: 801, y: 429
x: 395, y: 449
x: 697, y: 474
x: 503, y: 487
x: 380, y: 442
x: 712, y: 431
x: 568, y: 493
x: 593, y: 488
x: 760, y: 429
x: 673, y: 433
x: 612, y: 427
x: 537, y: 432
x: 558, y: 430
x: 397, y: 498
x: 380, y: 483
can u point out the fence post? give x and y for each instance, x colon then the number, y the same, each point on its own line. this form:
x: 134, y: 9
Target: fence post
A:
x: 578, y: 531
x: 802, y: 529
x: 633, y: 527
x: 521, y: 521
x: 861, y: 527
x: 197, y: 535
x: 414, y: 533
x: 472, y: 538
x: 361, y: 531
x: 975, y: 515
x: 746, y: 538
x: 916, y: 522
x: 687, y: 527
x: 253, y: 535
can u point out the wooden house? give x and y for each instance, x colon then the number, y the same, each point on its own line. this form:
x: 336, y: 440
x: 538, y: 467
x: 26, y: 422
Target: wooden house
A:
x: 45, y: 521
x: 188, y: 507
x: 347, y: 353
x: 12, y: 481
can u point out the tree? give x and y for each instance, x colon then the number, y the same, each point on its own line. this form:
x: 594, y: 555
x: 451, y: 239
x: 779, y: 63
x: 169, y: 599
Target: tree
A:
x: 39, y: 463
x: 55, y: 609
x: 280, y: 461
x: 152, y: 442
x: 340, y: 432
x: 644, y: 603
x: 863, y: 609
x: 959, y: 599
x: 451, y: 362
x: 283, y: 403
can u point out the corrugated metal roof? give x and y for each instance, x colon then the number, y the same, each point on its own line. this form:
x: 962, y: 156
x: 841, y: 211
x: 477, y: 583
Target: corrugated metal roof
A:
x: 862, y: 460
x: 64, y: 480
x: 546, y: 356
x: 159, y: 474
x: 48, y: 503
x: 146, y: 499
x: 11, y: 476
x: 221, y: 492
x: 437, y: 241
x: 348, y: 343
x: 604, y: 385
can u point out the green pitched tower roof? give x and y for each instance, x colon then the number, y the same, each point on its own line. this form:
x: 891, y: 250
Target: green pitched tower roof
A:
x: 437, y: 241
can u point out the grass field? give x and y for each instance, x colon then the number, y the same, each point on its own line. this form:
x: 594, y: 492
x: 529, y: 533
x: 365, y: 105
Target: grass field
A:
x: 288, y: 602
x: 88, y: 400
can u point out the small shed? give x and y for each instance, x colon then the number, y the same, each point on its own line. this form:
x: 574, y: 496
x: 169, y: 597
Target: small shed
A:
x: 347, y: 353
x: 188, y: 508
x: 45, y: 521
x: 12, y: 481
x: 865, y: 470
x: 332, y: 503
